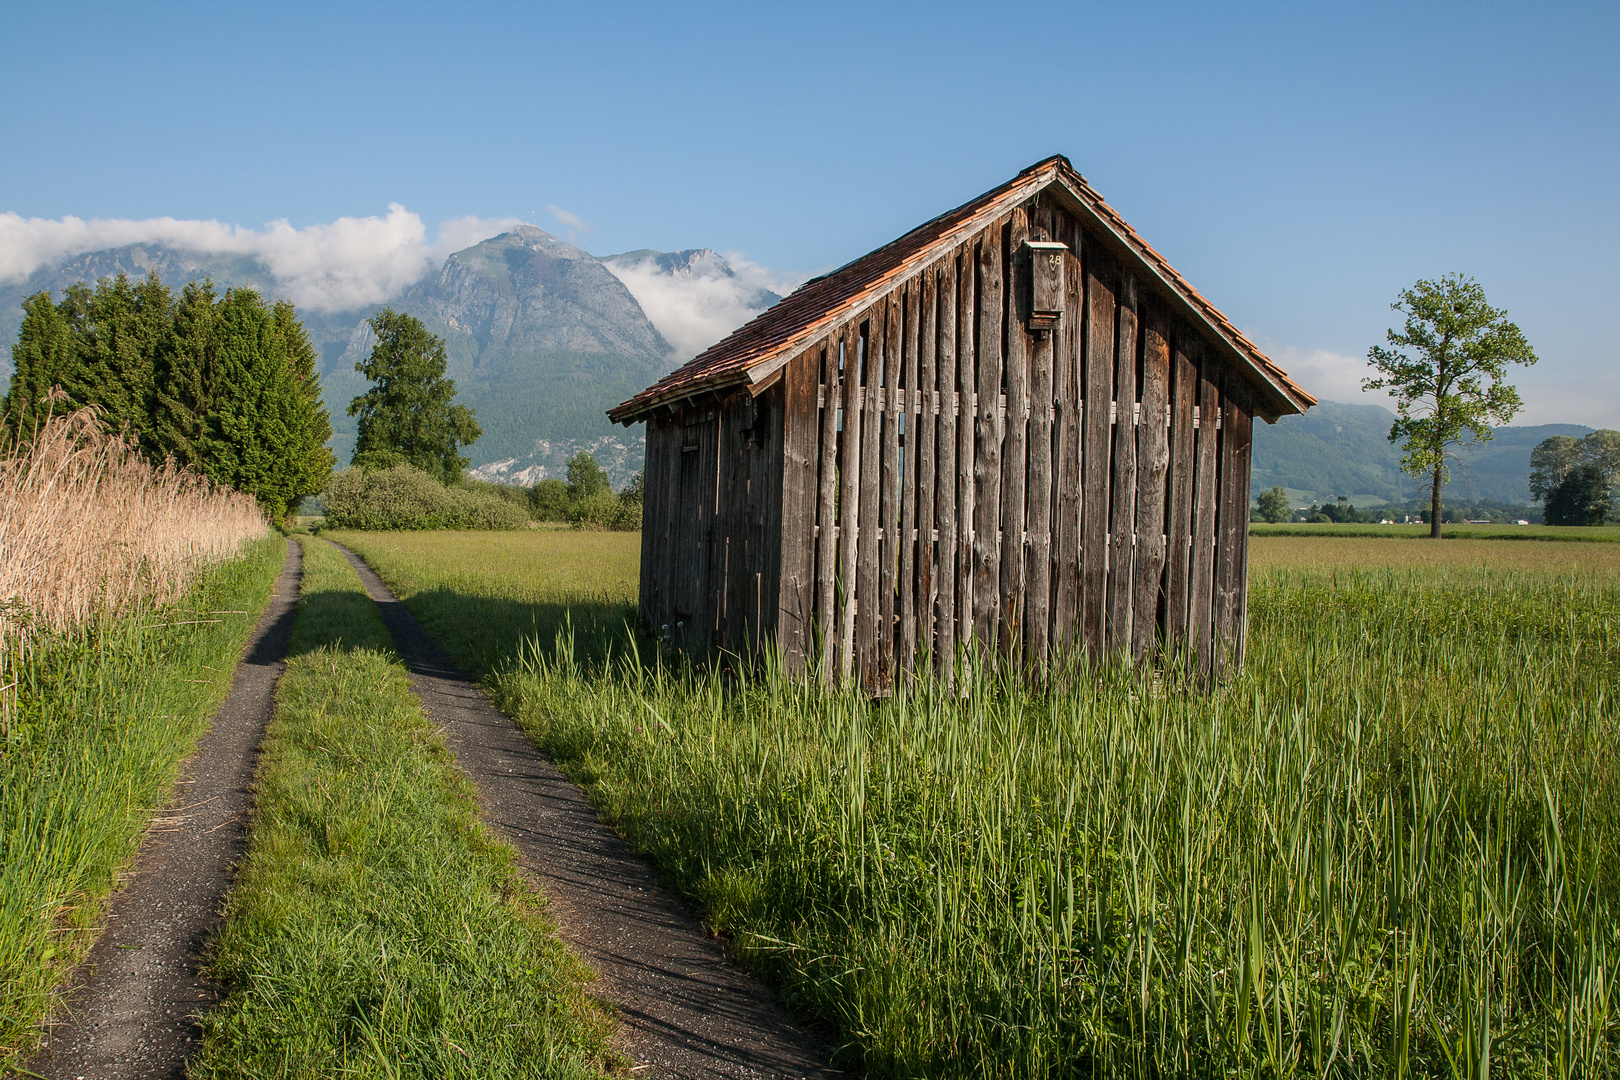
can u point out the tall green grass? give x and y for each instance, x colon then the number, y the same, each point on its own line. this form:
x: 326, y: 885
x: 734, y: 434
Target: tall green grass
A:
x: 103, y: 716
x: 1387, y: 849
x: 376, y: 928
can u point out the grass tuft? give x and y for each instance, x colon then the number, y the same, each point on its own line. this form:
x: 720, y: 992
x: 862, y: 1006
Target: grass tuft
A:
x: 1387, y: 849
x: 377, y: 929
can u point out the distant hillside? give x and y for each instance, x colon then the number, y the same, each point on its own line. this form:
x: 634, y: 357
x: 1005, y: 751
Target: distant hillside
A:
x: 1341, y: 449
x: 542, y: 337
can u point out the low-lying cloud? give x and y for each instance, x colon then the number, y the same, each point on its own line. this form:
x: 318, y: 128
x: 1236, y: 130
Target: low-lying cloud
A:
x: 1327, y: 375
x: 693, y: 310
x: 349, y: 263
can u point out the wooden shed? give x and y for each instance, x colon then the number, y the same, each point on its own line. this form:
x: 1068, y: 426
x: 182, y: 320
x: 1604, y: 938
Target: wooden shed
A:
x: 1015, y: 429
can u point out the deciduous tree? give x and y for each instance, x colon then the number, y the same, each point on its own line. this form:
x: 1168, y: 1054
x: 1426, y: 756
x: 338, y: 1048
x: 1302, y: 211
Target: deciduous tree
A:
x: 1273, y: 505
x: 409, y: 415
x: 1452, y: 381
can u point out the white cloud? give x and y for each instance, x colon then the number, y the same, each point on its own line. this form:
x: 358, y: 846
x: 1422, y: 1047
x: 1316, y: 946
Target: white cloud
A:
x: 348, y: 263
x: 1326, y: 375
x: 695, y: 310
x: 572, y: 222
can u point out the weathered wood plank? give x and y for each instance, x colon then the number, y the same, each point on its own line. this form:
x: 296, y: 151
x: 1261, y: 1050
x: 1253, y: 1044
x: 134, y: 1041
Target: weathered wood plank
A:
x: 880, y: 680
x: 699, y: 481
x: 1232, y: 521
x: 1183, y: 467
x: 652, y: 510
x: 1242, y: 437
x: 1098, y: 375
x: 826, y: 572
x: 1122, y: 512
x: 1038, y: 503
x: 869, y: 607
x: 911, y: 544
x: 771, y: 474
x: 800, y: 495
x: 947, y: 563
x: 849, y: 498
x: 1206, y: 489
x: 1152, y: 466
x: 669, y: 533
x: 1066, y: 531
x: 987, y: 440
x: 967, y: 425
x: 1015, y: 437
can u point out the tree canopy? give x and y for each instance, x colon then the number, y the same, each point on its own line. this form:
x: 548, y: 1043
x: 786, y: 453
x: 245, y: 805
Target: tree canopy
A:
x: 1452, y: 380
x: 409, y: 415
x: 225, y: 385
x: 1273, y: 505
x: 1578, y: 480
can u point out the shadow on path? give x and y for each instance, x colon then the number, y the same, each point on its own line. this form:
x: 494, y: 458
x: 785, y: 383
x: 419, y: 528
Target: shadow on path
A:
x: 686, y: 1012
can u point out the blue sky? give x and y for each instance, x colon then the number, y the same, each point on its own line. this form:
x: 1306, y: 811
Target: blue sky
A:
x: 1299, y: 163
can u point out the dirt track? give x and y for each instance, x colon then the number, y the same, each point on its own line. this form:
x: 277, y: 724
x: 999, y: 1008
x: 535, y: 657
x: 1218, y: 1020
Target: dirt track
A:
x: 685, y: 1010
x: 133, y: 1012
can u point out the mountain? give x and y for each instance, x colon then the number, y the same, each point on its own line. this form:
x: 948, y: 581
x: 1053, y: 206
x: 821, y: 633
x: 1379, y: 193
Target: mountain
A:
x: 1341, y: 449
x: 541, y: 337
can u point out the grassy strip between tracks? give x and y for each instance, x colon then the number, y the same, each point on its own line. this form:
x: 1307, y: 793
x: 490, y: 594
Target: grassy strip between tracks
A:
x: 1387, y: 849
x: 102, y: 718
x: 377, y: 929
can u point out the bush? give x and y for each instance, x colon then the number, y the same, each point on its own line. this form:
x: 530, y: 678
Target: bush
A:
x: 548, y: 501
x: 404, y: 497
x: 605, y: 510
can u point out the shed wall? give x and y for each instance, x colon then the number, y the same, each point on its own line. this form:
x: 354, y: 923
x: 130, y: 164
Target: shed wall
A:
x: 711, y: 524
x: 953, y: 478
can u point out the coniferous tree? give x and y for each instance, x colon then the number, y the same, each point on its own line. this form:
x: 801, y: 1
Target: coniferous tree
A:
x: 224, y: 385
x: 409, y: 415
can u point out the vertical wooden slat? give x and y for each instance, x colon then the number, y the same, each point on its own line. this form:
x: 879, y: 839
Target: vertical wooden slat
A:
x: 1066, y: 600
x: 669, y: 528
x: 927, y: 451
x: 826, y: 573
x: 771, y: 473
x: 1015, y: 437
x: 1098, y: 375
x: 991, y: 316
x: 1205, y: 490
x: 1178, y: 531
x: 913, y: 547
x: 967, y: 425
x: 947, y: 563
x: 1242, y: 436
x: 849, y: 497
x: 882, y: 672
x: 1152, y: 464
x: 1232, y: 521
x: 652, y: 516
x: 728, y: 563
x: 1038, y: 569
x: 869, y: 606
x: 801, y: 432
x: 1122, y: 517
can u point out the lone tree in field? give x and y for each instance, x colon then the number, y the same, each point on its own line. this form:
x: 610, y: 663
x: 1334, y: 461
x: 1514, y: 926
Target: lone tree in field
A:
x: 409, y: 415
x: 1452, y: 382
x: 1273, y: 505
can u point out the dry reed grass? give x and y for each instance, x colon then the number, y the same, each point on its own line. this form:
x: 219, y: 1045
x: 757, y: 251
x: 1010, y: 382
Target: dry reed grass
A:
x: 89, y: 528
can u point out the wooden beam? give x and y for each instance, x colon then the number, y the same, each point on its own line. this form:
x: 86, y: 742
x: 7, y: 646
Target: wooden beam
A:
x: 987, y: 441
x: 1015, y: 437
x: 1152, y: 468
x: 1122, y: 528
x: 947, y: 559
x: 1183, y: 468
x: 1098, y: 374
x: 914, y: 546
x: 826, y: 574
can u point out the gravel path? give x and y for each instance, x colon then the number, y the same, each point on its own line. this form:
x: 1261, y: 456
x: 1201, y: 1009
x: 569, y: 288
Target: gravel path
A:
x: 685, y: 1011
x: 134, y: 1011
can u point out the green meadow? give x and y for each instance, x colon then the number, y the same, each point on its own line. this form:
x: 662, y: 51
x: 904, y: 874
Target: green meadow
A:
x: 1387, y: 848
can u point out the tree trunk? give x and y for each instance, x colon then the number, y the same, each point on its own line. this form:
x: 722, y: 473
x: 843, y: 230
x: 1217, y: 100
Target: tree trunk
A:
x: 1434, y: 505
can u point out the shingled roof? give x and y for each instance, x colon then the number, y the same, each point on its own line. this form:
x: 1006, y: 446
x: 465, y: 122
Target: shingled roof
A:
x: 756, y: 351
